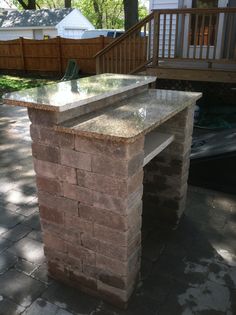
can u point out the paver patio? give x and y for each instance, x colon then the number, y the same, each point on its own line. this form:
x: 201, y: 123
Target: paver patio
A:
x: 190, y: 270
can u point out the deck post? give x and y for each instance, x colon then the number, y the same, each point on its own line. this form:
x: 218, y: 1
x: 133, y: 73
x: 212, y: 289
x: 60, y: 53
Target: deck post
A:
x: 21, y: 40
x: 60, y: 61
x: 156, y: 38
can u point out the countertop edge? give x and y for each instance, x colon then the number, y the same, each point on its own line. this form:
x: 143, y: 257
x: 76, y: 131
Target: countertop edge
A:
x: 45, y: 107
x: 95, y: 135
x: 69, y: 106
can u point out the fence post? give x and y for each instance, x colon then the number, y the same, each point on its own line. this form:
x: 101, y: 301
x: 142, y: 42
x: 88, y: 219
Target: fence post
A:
x: 59, y: 55
x: 156, y: 38
x: 103, y: 41
x: 98, y: 60
x: 21, y: 39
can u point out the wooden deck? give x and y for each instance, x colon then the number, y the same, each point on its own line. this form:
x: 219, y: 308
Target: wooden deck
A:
x: 181, y: 44
x: 194, y: 71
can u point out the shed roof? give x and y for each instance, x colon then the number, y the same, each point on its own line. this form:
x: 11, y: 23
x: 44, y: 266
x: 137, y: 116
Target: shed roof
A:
x: 34, y: 18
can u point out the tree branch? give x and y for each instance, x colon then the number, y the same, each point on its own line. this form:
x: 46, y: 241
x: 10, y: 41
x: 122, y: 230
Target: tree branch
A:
x: 31, y: 5
x: 22, y: 3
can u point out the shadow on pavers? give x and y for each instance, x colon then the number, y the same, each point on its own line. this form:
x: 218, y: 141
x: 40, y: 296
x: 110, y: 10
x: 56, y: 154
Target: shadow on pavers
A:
x: 190, y: 270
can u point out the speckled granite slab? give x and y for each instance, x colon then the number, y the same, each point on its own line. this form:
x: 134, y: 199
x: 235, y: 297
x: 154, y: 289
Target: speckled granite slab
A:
x: 66, y: 95
x: 136, y: 115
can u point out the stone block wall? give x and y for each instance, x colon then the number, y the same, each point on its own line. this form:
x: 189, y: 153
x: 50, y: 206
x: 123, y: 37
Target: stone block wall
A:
x: 90, y: 202
x: 165, y: 176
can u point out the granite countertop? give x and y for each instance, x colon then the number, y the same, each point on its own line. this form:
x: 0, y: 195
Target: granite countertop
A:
x: 66, y: 95
x: 126, y: 120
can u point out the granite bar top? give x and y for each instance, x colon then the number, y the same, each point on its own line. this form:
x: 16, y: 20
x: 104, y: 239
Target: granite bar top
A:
x: 66, y: 95
x: 126, y: 120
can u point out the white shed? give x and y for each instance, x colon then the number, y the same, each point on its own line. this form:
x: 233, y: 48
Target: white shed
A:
x: 45, y: 23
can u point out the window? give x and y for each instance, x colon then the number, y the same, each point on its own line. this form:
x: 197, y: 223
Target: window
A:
x: 203, y: 27
x: 205, y: 4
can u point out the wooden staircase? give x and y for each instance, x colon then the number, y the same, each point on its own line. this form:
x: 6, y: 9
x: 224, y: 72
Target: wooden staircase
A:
x: 129, y: 53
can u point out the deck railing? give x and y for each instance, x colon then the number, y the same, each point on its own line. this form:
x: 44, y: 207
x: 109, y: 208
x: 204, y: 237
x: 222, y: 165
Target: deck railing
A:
x: 130, y: 52
x: 196, y: 34
x: 175, y: 34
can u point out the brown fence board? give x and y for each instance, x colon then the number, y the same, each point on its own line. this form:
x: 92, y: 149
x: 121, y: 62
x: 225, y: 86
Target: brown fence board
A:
x: 50, y: 55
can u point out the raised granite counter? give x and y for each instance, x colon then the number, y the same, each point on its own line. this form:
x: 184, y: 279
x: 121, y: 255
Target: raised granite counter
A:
x: 104, y: 148
x: 132, y: 117
x: 82, y: 93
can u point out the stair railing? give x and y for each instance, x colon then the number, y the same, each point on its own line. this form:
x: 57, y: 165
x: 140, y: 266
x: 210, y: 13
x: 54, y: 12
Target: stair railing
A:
x: 130, y: 52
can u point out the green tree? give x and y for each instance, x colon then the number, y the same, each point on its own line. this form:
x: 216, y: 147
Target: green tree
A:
x: 108, y: 13
x: 33, y: 4
x: 101, y: 13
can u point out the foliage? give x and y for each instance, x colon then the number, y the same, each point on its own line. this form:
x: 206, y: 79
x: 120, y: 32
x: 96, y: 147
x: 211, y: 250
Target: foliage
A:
x: 109, y: 13
x: 12, y: 83
x: 39, y: 4
x: 142, y: 12
x: 101, y: 13
x: 26, y: 4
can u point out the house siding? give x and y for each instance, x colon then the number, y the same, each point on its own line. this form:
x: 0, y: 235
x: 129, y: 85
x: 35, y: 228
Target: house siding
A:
x: 14, y: 34
x: 26, y: 33
x: 50, y: 32
x: 163, y: 4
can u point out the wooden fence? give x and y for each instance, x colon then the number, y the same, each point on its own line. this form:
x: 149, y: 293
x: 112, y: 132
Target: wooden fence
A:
x: 50, y: 55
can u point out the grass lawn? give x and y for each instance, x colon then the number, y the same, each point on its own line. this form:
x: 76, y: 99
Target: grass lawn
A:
x: 14, y: 83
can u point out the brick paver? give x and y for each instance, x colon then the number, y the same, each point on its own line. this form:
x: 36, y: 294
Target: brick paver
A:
x: 190, y: 270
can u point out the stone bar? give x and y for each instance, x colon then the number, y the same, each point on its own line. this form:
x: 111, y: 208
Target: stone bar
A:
x: 89, y: 138
x: 165, y: 179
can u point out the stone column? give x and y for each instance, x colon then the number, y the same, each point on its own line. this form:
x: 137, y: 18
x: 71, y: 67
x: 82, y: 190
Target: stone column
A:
x: 165, y: 177
x: 90, y: 202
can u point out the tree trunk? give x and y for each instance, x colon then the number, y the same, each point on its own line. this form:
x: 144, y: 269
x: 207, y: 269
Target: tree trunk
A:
x: 99, y: 13
x: 67, y: 3
x: 31, y: 5
x: 131, y: 13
